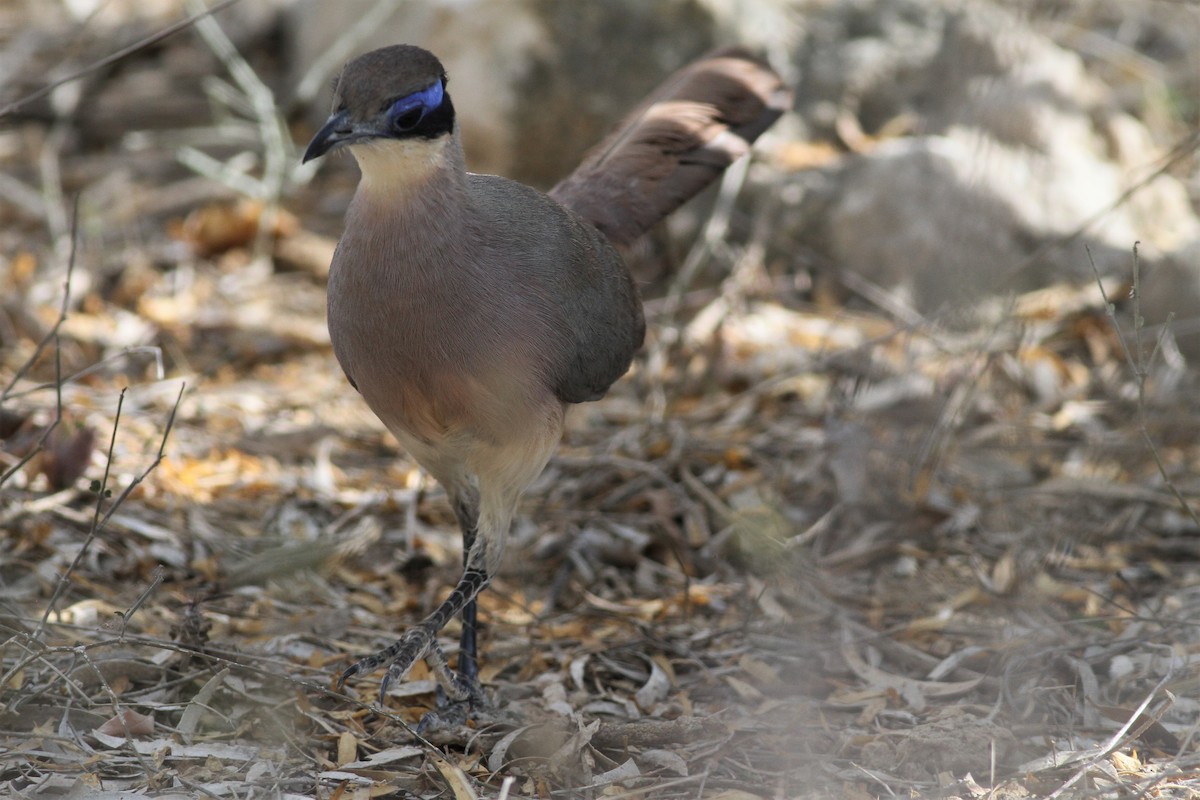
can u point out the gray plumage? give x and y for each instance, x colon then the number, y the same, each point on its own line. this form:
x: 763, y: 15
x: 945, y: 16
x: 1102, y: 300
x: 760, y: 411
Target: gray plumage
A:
x: 469, y: 310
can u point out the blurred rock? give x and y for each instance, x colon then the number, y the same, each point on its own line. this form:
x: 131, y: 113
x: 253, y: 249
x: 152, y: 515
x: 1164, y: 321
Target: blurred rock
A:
x: 1012, y: 147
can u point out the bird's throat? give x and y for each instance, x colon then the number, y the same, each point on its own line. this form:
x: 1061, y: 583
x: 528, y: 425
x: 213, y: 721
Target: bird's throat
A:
x: 400, y: 166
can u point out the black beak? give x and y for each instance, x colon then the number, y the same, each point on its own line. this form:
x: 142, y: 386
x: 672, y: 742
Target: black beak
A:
x: 338, y: 130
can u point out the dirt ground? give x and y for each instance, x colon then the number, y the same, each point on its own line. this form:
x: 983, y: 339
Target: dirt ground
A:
x: 809, y: 547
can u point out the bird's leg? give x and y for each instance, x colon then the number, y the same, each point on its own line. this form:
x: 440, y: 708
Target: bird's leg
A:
x: 421, y: 642
x: 454, y: 690
x: 468, y: 658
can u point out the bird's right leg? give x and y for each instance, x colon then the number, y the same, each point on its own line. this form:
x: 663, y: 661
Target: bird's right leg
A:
x: 466, y: 509
x: 421, y: 642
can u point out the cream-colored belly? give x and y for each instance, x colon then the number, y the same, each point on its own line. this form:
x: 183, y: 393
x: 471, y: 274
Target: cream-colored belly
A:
x: 479, y: 410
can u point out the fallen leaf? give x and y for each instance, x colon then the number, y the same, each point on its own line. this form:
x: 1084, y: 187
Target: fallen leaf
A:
x: 128, y: 723
x: 215, y: 228
x: 622, y: 772
x: 654, y: 690
x: 347, y: 749
x: 456, y: 779
x: 665, y: 760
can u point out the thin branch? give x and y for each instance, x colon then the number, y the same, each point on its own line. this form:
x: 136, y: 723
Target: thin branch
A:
x: 62, y: 311
x: 140, y: 44
x: 1182, y: 149
x: 1140, y: 367
x: 162, y: 446
x: 159, y: 576
x: 333, y: 57
x: 154, y: 350
x: 1114, y: 741
x: 61, y: 586
x: 98, y: 521
x: 51, y: 336
x: 278, y: 151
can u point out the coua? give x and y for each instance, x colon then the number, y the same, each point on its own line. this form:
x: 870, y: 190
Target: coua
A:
x: 471, y: 311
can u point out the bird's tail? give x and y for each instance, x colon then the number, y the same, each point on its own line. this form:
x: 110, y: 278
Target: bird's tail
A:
x: 680, y: 139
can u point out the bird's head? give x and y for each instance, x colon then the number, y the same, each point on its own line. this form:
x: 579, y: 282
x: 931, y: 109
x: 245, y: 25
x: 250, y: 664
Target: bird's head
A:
x: 392, y: 94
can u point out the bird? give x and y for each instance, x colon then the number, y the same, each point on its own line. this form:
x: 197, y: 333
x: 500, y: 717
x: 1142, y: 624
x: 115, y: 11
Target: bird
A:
x: 471, y: 311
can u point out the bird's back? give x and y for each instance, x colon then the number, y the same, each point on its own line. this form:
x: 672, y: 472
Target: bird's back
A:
x: 557, y: 261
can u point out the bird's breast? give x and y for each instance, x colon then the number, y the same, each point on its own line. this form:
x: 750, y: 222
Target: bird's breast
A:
x: 429, y: 347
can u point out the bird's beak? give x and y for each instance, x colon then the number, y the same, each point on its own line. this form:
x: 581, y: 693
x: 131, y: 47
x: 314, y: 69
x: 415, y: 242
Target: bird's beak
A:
x: 337, y: 131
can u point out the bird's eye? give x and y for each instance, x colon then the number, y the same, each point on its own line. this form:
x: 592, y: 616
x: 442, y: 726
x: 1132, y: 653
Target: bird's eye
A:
x: 407, y: 112
x: 407, y: 120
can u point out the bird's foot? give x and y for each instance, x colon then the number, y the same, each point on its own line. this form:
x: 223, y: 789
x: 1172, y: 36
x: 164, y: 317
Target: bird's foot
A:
x: 399, y: 657
x: 459, y: 694
x: 451, y: 713
x: 459, y: 698
x: 454, y: 689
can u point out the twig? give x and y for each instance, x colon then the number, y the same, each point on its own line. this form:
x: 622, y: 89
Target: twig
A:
x: 1114, y: 741
x: 279, y: 161
x: 711, y: 244
x: 154, y: 350
x: 1184, y: 148
x: 222, y: 172
x: 1140, y: 367
x: 41, y: 442
x: 141, y: 44
x: 936, y: 443
x: 127, y: 614
x: 61, y: 586
x: 51, y: 335
x: 50, y: 170
x: 23, y: 197
x: 62, y: 311
x: 117, y: 714
x: 162, y: 445
x: 715, y: 236
x: 98, y: 521
x: 329, y: 61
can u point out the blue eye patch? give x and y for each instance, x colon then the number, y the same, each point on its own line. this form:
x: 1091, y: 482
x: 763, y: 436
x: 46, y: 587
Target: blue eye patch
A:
x: 407, y: 112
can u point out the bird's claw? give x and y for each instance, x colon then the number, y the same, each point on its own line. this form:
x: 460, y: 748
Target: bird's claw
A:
x: 458, y: 695
x: 399, y: 658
